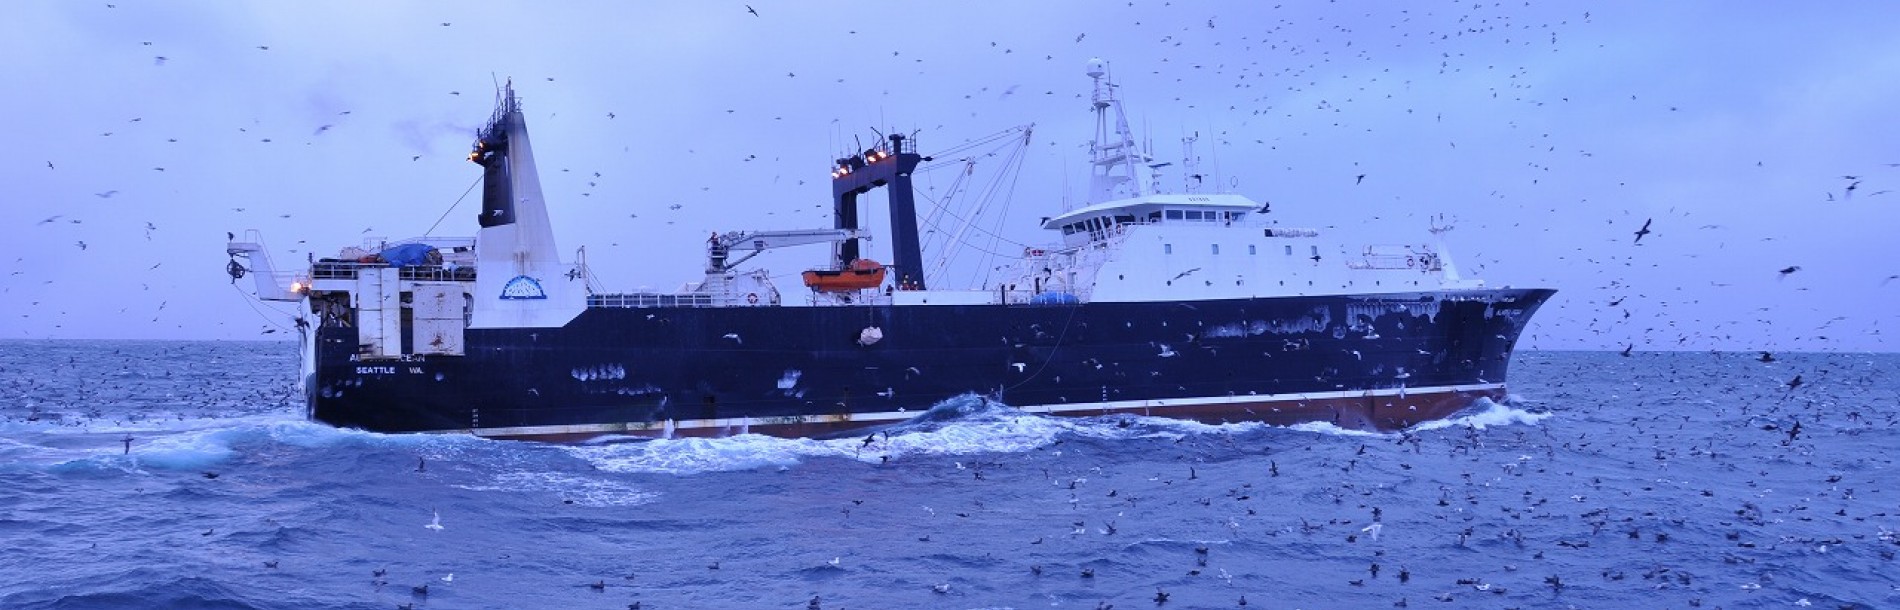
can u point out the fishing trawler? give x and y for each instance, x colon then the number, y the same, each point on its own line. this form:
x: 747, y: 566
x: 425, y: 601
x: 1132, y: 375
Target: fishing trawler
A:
x: 1185, y: 304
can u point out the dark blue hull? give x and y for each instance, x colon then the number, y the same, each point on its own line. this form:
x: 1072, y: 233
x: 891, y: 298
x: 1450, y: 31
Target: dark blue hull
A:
x: 807, y: 370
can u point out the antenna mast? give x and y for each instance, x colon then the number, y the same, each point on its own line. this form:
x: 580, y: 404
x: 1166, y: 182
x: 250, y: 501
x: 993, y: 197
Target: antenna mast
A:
x: 1113, y: 152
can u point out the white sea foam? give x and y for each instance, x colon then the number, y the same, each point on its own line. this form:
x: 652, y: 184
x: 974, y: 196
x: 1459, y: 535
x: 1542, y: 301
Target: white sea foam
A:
x: 960, y: 426
x: 966, y: 425
x: 1488, y: 413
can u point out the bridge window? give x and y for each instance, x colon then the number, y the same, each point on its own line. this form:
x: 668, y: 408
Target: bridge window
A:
x: 1216, y: 248
x: 1167, y: 248
x: 1174, y: 214
x: 1250, y: 251
x: 1289, y: 250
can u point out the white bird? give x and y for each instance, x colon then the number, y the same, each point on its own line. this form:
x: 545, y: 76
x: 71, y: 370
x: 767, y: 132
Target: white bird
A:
x: 435, y: 523
x: 449, y: 578
x: 941, y: 587
x: 1373, y: 530
x: 834, y: 561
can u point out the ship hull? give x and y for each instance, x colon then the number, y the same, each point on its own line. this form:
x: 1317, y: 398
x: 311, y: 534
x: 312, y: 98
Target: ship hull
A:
x: 1373, y: 362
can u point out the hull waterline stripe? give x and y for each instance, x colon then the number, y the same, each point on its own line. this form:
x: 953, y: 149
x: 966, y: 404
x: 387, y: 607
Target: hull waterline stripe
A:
x: 742, y: 423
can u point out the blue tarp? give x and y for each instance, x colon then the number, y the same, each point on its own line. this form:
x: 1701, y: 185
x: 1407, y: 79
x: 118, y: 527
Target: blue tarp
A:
x: 1054, y: 298
x: 407, y: 255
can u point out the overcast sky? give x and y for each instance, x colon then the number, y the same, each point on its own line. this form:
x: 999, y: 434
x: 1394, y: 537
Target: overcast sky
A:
x: 1547, y: 132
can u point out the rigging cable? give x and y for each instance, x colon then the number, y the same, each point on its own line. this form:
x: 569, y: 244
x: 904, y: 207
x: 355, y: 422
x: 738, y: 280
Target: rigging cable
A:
x: 458, y: 201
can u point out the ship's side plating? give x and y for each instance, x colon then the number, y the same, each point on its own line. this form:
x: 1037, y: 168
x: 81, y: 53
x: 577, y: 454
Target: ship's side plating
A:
x: 1381, y: 361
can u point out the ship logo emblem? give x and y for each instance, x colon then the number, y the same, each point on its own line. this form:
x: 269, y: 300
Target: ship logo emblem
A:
x: 523, y: 287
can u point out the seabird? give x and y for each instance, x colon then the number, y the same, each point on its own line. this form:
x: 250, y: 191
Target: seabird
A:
x: 749, y: 9
x: 1643, y: 231
x: 435, y: 521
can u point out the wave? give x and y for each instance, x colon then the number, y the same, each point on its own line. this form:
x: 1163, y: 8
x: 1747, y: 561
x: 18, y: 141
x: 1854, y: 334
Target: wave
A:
x: 1486, y: 413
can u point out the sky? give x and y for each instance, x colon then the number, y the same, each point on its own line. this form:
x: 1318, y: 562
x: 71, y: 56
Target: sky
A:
x: 1752, y: 137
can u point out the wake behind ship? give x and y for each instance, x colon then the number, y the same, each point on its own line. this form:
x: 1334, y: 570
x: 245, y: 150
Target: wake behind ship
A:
x: 1188, y: 305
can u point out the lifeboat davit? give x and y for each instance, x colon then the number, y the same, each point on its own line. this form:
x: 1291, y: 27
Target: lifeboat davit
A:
x: 859, y: 275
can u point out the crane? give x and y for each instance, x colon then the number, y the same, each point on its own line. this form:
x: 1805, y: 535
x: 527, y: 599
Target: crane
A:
x: 725, y: 251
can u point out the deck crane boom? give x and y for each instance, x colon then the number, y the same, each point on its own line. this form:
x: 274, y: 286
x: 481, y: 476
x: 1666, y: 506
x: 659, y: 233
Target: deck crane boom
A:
x: 726, y: 250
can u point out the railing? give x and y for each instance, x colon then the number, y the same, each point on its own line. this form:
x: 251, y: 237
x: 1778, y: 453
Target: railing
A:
x: 1397, y: 257
x: 650, y: 299
x: 339, y: 270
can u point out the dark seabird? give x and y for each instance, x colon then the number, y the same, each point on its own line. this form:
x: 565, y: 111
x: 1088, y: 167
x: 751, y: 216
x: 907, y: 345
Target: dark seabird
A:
x: 1161, y: 597
x: 1766, y: 357
x: 1643, y: 231
x: 1794, y: 383
x: 128, y: 444
x: 749, y: 9
x: 1789, y: 269
x: 1626, y: 350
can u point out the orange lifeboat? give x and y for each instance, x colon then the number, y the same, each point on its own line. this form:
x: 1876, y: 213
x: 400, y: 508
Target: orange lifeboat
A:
x: 859, y: 275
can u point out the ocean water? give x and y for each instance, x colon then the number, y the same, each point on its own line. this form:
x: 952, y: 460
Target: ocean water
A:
x: 1658, y: 480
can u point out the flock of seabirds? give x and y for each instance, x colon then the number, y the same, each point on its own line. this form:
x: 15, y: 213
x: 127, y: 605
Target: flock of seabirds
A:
x: 1778, y: 418
x: 1803, y: 481
x: 1311, y: 50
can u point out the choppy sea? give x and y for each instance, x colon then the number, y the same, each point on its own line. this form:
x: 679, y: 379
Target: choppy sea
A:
x: 182, y: 475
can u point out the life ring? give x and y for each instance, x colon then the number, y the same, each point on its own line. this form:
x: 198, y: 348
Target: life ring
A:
x: 752, y: 298
x: 1411, y: 262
